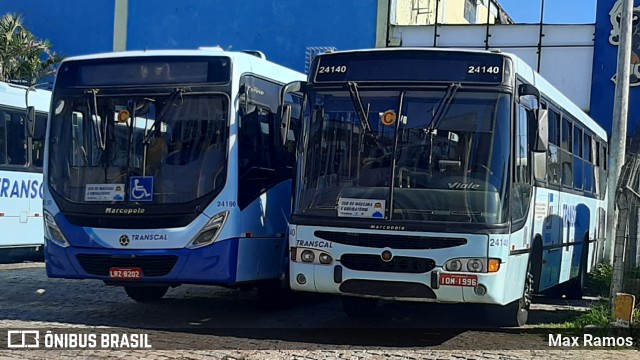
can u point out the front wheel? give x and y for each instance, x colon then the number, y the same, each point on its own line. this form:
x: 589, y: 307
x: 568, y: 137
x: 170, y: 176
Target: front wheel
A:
x: 146, y: 294
x: 516, y: 313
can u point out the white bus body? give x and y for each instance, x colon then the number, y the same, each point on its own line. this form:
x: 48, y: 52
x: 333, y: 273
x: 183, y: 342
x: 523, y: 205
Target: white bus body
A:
x: 21, y: 169
x: 414, y: 182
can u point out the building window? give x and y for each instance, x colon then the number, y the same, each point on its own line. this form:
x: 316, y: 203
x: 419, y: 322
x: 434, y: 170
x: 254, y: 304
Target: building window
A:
x: 470, y: 10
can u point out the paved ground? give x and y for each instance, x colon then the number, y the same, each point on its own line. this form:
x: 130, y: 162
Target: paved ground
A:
x: 211, y: 322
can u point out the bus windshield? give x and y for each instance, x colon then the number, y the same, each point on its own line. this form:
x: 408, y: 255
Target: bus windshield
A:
x: 170, y: 146
x: 429, y: 155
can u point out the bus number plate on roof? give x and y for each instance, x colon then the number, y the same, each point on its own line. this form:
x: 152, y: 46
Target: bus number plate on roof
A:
x: 459, y: 280
x: 118, y: 273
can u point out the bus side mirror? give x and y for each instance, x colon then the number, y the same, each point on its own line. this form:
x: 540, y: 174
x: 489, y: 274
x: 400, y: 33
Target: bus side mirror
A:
x: 284, y: 112
x: 541, y: 144
x: 31, y: 120
x: 284, y: 109
x: 542, y: 138
x: 527, y: 89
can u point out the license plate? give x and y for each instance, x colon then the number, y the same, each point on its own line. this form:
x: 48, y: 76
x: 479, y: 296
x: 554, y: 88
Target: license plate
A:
x: 459, y: 280
x: 117, y: 273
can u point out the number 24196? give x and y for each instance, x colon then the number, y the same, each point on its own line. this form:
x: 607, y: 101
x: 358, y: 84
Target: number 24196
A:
x: 226, y: 203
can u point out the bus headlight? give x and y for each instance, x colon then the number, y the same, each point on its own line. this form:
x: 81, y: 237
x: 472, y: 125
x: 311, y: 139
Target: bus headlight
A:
x: 210, y: 232
x: 310, y: 256
x: 325, y: 258
x: 53, y: 232
x: 453, y: 265
x: 307, y: 256
x: 475, y: 265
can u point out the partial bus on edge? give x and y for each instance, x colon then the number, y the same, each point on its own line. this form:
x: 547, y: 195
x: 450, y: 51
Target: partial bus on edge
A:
x: 443, y: 176
x: 23, y: 118
x: 164, y: 168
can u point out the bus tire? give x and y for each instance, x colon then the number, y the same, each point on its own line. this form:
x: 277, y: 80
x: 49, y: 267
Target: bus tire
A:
x: 575, y: 287
x: 276, y: 294
x: 516, y: 313
x: 146, y: 294
x: 356, y: 307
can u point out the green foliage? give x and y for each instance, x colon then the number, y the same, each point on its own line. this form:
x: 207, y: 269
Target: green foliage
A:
x: 599, y: 280
x: 23, y: 57
x: 600, y: 316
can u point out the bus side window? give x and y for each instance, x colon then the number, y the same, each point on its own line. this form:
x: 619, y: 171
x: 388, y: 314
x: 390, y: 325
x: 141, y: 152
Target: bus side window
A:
x: 553, y: 163
x: 3, y: 139
x: 16, y: 139
x: 37, y: 150
x: 565, y: 157
x: 578, y: 165
x: 255, y: 152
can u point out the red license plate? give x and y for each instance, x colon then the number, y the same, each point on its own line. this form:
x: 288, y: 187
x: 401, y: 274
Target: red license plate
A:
x: 459, y: 280
x: 117, y: 273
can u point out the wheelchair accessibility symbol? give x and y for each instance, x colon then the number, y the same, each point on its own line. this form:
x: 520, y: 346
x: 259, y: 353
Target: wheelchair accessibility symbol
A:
x: 141, y: 188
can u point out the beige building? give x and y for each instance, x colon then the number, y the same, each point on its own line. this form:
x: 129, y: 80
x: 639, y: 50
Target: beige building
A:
x: 424, y: 12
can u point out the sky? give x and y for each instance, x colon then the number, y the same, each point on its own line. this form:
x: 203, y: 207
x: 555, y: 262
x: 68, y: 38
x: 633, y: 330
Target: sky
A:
x: 555, y: 11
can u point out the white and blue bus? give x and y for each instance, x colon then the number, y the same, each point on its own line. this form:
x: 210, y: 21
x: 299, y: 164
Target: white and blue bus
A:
x: 443, y: 176
x: 165, y: 168
x: 23, y: 118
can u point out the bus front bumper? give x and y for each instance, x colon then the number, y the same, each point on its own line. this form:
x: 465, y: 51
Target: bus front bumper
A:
x: 433, y: 286
x: 214, y: 264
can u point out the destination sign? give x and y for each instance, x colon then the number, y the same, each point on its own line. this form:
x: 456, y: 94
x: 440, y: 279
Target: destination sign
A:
x: 409, y: 66
x: 145, y: 71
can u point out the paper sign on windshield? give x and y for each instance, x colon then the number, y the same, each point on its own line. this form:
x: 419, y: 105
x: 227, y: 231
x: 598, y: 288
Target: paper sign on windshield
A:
x: 104, y: 192
x: 363, y: 208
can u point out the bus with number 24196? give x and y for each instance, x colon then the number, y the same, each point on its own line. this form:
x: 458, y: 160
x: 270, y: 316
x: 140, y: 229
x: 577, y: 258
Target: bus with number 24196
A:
x: 164, y: 167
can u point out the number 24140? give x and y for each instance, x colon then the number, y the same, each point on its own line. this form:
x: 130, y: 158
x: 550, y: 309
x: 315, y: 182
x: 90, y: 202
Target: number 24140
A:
x: 498, y: 242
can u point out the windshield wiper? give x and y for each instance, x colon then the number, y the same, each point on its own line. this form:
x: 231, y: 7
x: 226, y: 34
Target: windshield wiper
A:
x: 163, y: 113
x: 357, y: 102
x: 443, y: 107
x: 100, y: 140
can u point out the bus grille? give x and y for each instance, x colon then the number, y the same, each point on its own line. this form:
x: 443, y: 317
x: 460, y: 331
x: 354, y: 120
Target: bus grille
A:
x: 151, y: 265
x: 391, y: 241
x: 399, y: 264
x: 393, y: 289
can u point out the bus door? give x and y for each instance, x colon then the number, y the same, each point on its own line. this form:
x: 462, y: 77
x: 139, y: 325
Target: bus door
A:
x: 35, y: 229
x: 14, y: 180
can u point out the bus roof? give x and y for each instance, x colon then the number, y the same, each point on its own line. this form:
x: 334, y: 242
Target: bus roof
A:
x: 12, y: 95
x: 521, y: 68
x: 253, y: 58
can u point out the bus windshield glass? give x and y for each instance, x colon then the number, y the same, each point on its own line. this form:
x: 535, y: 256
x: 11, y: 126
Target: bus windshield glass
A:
x: 152, y: 148
x: 432, y: 155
